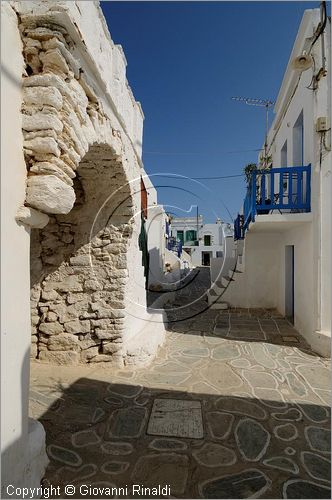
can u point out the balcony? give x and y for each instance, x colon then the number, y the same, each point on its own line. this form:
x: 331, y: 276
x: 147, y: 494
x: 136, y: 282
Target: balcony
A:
x: 191, y: 243
x: 281, y: 192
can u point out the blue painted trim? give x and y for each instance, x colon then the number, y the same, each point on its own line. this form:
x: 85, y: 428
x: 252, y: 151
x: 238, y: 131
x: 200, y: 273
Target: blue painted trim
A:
x: 292, y: 194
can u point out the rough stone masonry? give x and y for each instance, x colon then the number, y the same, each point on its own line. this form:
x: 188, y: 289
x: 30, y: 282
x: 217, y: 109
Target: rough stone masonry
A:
x: 81, y: 197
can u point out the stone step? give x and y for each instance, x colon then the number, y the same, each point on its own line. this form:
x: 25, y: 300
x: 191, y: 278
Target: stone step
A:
x: 219, y: 305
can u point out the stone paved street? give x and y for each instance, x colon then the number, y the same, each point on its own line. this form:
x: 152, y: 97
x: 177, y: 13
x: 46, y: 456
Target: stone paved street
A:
x: 235, y: 406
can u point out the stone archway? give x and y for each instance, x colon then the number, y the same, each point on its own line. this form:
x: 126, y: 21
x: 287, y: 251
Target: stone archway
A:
x: 79, y: 267
x: 81, y: 163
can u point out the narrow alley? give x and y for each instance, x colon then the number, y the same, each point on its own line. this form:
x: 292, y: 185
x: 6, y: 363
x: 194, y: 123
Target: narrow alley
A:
x: 235, y: 405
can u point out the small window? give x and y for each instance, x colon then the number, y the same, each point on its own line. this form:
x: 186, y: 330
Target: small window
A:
x: 283, y: 155
x: 207, y: 240
x: 191, y: 235
x: 179, y: 236
x: 298, y: 141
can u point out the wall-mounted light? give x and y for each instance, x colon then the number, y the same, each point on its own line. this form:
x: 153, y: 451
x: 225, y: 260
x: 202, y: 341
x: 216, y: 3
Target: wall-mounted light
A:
x: 302, y: 62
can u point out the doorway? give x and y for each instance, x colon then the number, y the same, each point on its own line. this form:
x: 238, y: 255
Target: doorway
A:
x: 289, y: 282
x: 206, y: 258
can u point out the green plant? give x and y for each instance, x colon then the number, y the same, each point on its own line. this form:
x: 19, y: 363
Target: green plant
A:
x: 265, y: 162
x: 248, y: 170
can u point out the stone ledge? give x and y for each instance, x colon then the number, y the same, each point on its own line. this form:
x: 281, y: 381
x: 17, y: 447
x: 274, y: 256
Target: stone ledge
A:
x: 31, y: 217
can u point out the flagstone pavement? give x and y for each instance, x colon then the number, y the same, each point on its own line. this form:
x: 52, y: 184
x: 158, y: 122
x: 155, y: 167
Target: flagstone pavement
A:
x: 235, y: 405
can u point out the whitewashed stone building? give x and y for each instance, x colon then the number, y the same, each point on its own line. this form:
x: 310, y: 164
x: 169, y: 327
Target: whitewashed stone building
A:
x: 287, y: 215
x: 201, y: 241
x: 72, y: 210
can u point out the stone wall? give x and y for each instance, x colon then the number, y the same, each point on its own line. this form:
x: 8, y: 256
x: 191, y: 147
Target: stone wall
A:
x: 82, y: 200
x: 79, y: 269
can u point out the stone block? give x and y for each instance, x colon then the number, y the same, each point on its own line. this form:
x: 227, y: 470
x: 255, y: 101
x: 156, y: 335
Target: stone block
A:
x: 112, y: 348
x: 49, y: 96
x: 120, y: 273
x: 87, y: 343
x: 33, y: 351
x: 35, y: 292
x: 72, y: 298
x: 42, y: 146
x: 92, y: 285
x: 121, y: 262
x: 68, y: 284
x: 116, y: 361
x: 49, y: 295
x: 108, y: 334
x: 80, y: 260
x: 53, y: 61
x: 51, y: 316
x: 63, y: 342
x: 103, y: 324
x: 88, y: 354
x: 39, y: 133
x: 50, y: 194
x: 47, y: 168
x: 77, y: 326
x: 31, y: 217
x: 60, y: 357
x: 42, y: 121
x: 35, y: 320
x: 67, y: 238
x: 61, y: 164
x: 54, y: 43
x: 53, y: 328
x: 106, y: 312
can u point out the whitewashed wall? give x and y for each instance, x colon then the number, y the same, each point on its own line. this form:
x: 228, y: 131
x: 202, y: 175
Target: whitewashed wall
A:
x: 257, y: 286
x: 311, y: 240
x: 19, y: 465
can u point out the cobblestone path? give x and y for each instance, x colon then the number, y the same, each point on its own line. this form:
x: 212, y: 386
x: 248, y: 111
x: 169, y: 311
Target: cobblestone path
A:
x: 235, y: 406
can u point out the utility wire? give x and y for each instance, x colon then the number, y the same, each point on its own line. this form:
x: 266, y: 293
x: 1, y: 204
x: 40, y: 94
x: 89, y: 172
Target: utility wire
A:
x: 199, y: 152
x: 172, y: 176
x: 218, y: 177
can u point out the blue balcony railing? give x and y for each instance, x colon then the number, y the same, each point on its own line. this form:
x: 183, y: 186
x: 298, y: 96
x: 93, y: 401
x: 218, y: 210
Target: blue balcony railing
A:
x: 286, y: 190
x: 238, y: 228
x: 175, y: 246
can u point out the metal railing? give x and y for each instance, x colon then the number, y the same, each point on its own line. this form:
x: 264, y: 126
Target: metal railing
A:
x: 238, y: 228
x: 175, y: 246
x: 287, y: 190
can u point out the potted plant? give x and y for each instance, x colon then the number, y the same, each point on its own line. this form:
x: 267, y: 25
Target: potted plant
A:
x: 248, y: 171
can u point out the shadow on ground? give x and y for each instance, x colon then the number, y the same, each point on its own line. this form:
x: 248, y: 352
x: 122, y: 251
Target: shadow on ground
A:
x: 101, y: 435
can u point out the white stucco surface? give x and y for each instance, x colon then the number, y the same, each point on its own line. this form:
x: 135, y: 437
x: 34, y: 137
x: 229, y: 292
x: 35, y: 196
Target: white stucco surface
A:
x: 263, y: 281
x: 17, y: 447
x: 214, y: 230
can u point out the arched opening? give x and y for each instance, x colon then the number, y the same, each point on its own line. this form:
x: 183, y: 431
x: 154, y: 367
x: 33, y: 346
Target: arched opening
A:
x: 79, y: 271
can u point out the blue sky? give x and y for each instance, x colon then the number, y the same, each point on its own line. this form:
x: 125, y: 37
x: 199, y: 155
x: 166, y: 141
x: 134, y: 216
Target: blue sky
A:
x: 185, y: 62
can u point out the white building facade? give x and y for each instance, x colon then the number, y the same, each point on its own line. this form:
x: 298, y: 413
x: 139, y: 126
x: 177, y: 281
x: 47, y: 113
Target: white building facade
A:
x: 287, y: 215
x: 201, y: 241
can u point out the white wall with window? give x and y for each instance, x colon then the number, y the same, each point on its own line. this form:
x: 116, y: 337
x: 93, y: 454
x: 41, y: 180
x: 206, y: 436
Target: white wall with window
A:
x: 201, y: 241
x: 294, y: 141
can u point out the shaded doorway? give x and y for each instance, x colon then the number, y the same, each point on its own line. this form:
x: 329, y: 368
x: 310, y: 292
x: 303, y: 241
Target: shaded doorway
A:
x: 206, y: 258
x: 289, y: 282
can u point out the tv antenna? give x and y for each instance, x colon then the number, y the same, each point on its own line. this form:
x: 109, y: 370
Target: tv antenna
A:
x: 263, y: 103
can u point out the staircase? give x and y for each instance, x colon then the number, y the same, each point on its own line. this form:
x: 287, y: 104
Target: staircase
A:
x: 223, y: 270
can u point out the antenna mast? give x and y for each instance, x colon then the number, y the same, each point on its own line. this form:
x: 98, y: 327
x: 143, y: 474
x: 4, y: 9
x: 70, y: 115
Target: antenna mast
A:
x: 263, y: 103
